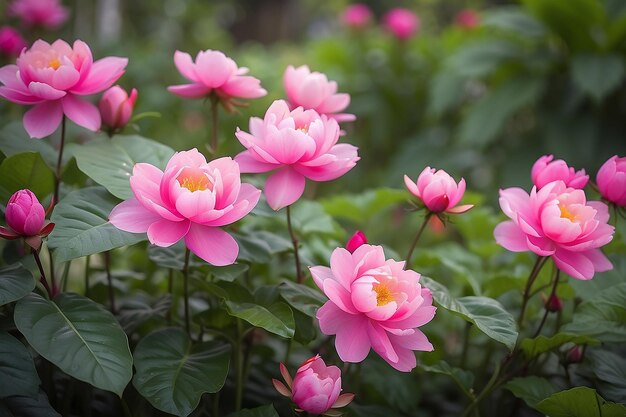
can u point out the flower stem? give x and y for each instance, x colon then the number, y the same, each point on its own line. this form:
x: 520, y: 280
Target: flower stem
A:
x: 214, y: 131
x: 531, y: 279
x: 107, y: 267
x: 57, y: 176
x: 186, y: 290
x: 170, y: 291
x: 87, y: 275
x: 555, y: 284
x: 239, y: 366
x: 417, y: 237
x: 42, y: 278
x: 491, y: 385
x: 294, y: 241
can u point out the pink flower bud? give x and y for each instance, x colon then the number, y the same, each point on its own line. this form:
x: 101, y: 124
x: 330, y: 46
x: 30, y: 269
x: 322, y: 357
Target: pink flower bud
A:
x: 402, y: 23
x: 11, y: 42
x: 554, y: 304
x: 357, y: 239
x: 438, y: 191
x: 611, y: 180
x: 49, y: 14
x: 316, y: 386
x: 24, y: 214
x: 467, y: 18
x: 574, y: 355
x: 545, y: 170
x: 116, y: 107
x: 356, y: 16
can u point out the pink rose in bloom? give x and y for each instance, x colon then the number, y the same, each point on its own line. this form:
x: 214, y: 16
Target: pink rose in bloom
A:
x: 26, y: 218
x: 357, y: 239
x: 546, y: 170
x: 298, y: 144
x: 215, y: 73
x: 356, y: 16
x: 557, y: 221
x: 611, y: 180
x: 49, y: 14
x: 467, y: 18
x: 51, y: 77
x: 312, y: 90
x: 438, y: 191
x: 116, y: 107
x: 402, y: 23
x: 315, y: 388
x: 373, y: 303
x: 11, y: 42
x: 192, y: 199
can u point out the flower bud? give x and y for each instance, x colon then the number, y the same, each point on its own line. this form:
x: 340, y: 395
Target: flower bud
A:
x: 24, y: 214
x: 402, y: 23
x: 554, y: 304
x: 467, y: 19
x: 546, y: 170
x: 116, y: 107
x: 356, y: 16
x: 611, y: 180
x: 438, y: 191
x: 574, y: 355
x: 357, y: 239
x: 11, y: 42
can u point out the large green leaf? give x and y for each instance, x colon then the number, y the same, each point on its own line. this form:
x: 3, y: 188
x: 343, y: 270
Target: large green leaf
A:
x: 446, y: 90
x: 513, y: 19
x: 486, y: 313
x: 481, y: 58
x: 25, y: 170
x: 173, y: 374
x: 110, y: 162
x: 15, y: 283
x: 263, y: 411
x: 82, y: 226
x: 541, y: 344
x: 531, y: 389
x: 302, y: 298
x: 360, y: 208
x: 463, y: 378
x: 15, y: 140
x: 17, y: 369
x: 21, y: 406
x: 609, y: 372
x: 79, y: 336
x: 598, y: 75
x: 580, y: 402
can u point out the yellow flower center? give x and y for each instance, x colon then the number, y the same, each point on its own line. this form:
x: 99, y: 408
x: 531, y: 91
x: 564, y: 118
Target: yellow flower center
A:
x: 383, y: 295
x: 304, y: 129
x: 194, y: 180
x: 54, y: 63
x: 566, y: 214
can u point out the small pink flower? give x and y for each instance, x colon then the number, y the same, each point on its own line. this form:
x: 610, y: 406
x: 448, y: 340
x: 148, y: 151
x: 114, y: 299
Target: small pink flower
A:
x: 51, y: 77
x: 192, y: 199
x: 611, y: 179
x: 467, y: 18
x: 215, y: 73
x: 438, y: 191
x: 357, y: 239
x: 315, y: 388
x: 545, y: 170
x: 373, y: 303
x: 574, y: 355
x: 312, y: 90
x: 553, y: 304
x: 11, y: 42
x: 557, y: 221
x: 356, y: 16
x: 26, y: 218
x: 116, y: 107
x: 49, y: 14
x: 298, y: 144
x: 402, y: 23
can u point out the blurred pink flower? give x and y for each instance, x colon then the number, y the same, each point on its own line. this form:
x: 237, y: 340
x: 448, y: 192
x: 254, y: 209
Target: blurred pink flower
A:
x: 357, y: 239
x: 467, y: 18
x: 11, y: 42
x: 312, y: 90
x: 51, y: 77
x: 49, y: 14
x: 315, y: 388
x: 116, y: 107
x: 215, y: 73
x: 299, y: 144
x: 545, y: 170
x: 192, y: 199
x: 374, y: 303
x: 26, y: 218
x: 611, y: 180
x: 356, y: 15
x: 402, y: 23
x: 438, y: 191
x: 557, y: 221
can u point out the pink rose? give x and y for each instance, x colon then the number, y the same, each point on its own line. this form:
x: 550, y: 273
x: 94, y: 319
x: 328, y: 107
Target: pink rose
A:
x: 545, y: 170
x: 11, y: 42
x: 192, y: 199
x: 467, y: 18
x: 357, y: 239
x: 315, y: 388
x: 45, y: 13
x: 402, y: 23
x: 215, y: 73
x: 438, y: 191
x: 557, y: 221
x: 51, y: 77
x: 356, y: 16
x: 373, y: 303
x: 611, y: 179
x: 26, y: 218
x: 298, y: 144
x: 312, y: 90
x: 116, y: 107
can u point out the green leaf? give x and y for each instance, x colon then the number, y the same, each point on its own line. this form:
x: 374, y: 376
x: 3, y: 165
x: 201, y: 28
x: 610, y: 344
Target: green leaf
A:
x: 446, y: 91
x: 309, y: 217
x: 15, y: 140
x: 15, y: 282
x: 598, y: 75
x: 360, y: 208
x: 30, y: 407
x: 486, y: 313
x: 464, y: 379
x: 110, y: 162
x: 79, y: 336
x: 481, y: 58
x: 304, y: 299
x: 609, y: 370
x: 541, y: 344
x: 513, y: 19
x: 263, y: 411
x: 25, y: 170
x: 141, y: 308
x: 19, y: 376
x: 580, y: 402
x: 82, y: 226
x: 172, y: 374
x: 531, y: 389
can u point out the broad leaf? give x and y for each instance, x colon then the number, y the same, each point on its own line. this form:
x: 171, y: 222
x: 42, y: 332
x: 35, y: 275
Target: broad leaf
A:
x: 580, y: 402
x: 15, y: 140
x: 541, y: 344
x: 172, y: 374
x: 609, y: 371
x: 531, y: 389
x: 19, y: 376
x: 21, y: 406
x: 361, y: 208
x: 598, y: 75
x: 481, y: 58
x: 464, y: 379
x: 141, y: 308
x: 513, y: 19
x: 264, y: 411
x: 79, y: 336
x: 15, y: 282
x: 446, y: 90
x: 302, y: 298
x: 25, y: 170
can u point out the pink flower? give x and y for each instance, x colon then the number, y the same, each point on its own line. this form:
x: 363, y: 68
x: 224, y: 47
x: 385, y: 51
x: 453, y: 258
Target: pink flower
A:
x: 51, y: 77
x: 611, y: 179
x: 357, y: 239
x: 315, y: 388
x: 46, y: 13
x: 557, y: 221
x: 356, y: 15
x: 215, y: 73
x: 116, y: 107
x: 192, y: 199
x: 11, y: 41
x: 312, y: 90
x: 26, y: 218
x: 402, y: 23
x: 545, y: 170
x: 438, y: 191
x: 373, y: 303
x: 297, y: 144
x: 467, y: 18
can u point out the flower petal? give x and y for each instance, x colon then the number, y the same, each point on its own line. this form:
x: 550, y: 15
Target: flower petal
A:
x: 131, y: 216
x: 212, y: 244
x: 81, y: 112
x: 284, y: 188
x: 165, y: 233
x: 103, y: 73
x: 509, y: 235
x: 43, y: 119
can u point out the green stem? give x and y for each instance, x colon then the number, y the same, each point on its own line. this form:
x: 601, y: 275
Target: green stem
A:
x: 539, y: 263
x: 42, y: 278
x: 239, y: 366
x: 555, y: 284
x: 107, y: 268
x: 87, y: 275
x: 486, y: 391
x: 214, y: 131
x: 466, y: 337
x: 417, y: 238
x: 170, y: 291
x: 294, y: 241
x: 58, y: 172
x: 64, y: 280
x: 186, y: 290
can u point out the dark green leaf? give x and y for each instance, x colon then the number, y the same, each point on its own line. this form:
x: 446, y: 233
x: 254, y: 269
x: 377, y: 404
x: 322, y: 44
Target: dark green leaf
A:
x: 463, y: 378
x: 479, y: 59
x: 446, y: 91
x: 139, y: 309
x: 531, y: 389
x: 302, y: 298
x: 305, y: 329
x: 15, y: 140
x: 513, y: 19
x: 360, y: 208
x: 25, y: 170
x: 597, y: 75
x: 15, y: 283
x: 19, y: 376
x: 541, y: 344
x: 609, y: 370
x: 29, y: 407
x: 264, y: 411
x: 580, y: 402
